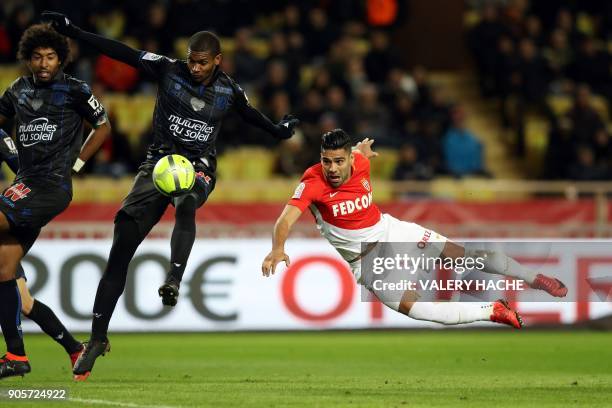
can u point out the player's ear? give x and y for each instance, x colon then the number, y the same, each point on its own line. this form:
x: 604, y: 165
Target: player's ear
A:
x: 218, y: 59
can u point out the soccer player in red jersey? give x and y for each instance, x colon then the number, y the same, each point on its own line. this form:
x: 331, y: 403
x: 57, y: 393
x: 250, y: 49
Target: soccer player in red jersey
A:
x: 338, y: 192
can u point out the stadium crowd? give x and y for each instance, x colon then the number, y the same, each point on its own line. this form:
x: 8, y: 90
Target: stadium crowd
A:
x: 332, y: 66
x: 532, y: 55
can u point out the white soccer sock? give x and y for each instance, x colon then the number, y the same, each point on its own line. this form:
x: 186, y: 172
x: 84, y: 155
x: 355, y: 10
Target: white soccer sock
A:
x: 451, y: 312
x: 499, y: 263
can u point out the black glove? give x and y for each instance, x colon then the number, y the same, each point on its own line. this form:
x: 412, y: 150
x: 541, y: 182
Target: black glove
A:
x: 60, y: 23
x: 285, y: 126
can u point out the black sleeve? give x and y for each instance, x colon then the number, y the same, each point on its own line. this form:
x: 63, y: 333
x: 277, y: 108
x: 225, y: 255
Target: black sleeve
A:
x: 251, y: 115
x: 86, y: 104
x: 8, y: 151
x: 152, y: 64
x: 114, y: 49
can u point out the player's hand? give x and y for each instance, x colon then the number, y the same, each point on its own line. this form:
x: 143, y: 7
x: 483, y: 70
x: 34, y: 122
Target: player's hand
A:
x: 60, y: 23
x: 268, y: 267
x: 365, y: 147
x: 285, y: 128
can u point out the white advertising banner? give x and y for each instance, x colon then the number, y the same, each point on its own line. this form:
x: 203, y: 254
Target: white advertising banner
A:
x: 223, y: 288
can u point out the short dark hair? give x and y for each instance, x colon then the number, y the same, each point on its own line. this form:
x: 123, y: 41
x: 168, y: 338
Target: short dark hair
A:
x: 336, y: 139
x: 205, y: 41
x: 44, y: 36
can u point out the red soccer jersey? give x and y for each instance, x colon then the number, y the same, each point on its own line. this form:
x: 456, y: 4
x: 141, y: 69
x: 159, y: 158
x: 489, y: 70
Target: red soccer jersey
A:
x: 349, y: 206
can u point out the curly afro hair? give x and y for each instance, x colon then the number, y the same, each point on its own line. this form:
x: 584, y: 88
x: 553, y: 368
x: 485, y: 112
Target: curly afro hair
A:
x: 42, y: 35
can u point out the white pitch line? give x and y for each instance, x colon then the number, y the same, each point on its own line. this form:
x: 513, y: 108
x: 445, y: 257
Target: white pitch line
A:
x: 117, y: 403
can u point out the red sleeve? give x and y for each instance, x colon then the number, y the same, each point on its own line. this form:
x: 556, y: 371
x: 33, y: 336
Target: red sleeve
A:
x: 305, y: 193
x: 361, y: 163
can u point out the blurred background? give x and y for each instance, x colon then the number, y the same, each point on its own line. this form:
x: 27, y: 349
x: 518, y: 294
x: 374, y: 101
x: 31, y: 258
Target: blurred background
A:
x: 492, y: 118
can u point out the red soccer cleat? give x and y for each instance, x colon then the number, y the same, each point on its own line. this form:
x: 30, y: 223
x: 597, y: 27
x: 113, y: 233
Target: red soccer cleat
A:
x: 75, y: 356
x: 502, y: 313
x: 552, y: 286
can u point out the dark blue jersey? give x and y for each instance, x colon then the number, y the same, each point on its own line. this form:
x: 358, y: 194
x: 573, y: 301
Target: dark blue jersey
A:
x: 49, y: 125
x: 188, y: 115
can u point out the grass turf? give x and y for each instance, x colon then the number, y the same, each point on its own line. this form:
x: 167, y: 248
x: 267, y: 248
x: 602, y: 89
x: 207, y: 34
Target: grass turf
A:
x: 402, y: 369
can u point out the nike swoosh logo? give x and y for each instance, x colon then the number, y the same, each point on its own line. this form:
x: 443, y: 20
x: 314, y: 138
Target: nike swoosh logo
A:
x: 30, y: 144
x: 286, y: 125
x: 97, y: 314
x: 333, y: 194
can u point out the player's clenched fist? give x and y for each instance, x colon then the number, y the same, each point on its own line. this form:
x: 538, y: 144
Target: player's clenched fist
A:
x: 268, y: 267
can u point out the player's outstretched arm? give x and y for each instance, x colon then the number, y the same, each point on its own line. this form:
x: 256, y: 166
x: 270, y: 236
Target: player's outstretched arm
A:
x: 282, y: 227
x: 114, y: 49
x: 92, y: 144
x: 365, y: 148
x: 281, y: 130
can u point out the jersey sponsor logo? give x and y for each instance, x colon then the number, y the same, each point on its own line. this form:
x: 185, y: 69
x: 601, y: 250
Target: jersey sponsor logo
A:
x: 423, y: 242
x: 297, y: 194
x: 17, y: 192
x: 197, y: 104
x: 38, y: 130
x: 149, y: 56
x: 203, y: 176
x: 350, y: 206
x: 190, y: 130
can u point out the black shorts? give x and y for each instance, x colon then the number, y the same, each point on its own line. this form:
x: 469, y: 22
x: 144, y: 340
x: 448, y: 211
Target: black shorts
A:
x: 146, y: 204
x: 29, y: 205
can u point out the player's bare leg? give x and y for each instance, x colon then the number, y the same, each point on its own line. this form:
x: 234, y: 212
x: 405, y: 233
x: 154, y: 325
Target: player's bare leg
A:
x: 499, y: 263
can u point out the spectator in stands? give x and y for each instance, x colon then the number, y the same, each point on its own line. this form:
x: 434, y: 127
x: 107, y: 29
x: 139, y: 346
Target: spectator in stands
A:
x: 533, y: 77
x: 249, y: 68
x: 592, y: 66
x: 276, y: 81
x: 319, y: 33
x: 483, y: 40
x: 381, y: 58
x: 559, y: 56
x: 586, y: 168
x: 409, y: 167
x: 560, y: 150
x: 585, y: 120
x: 370, y: 117
x: 115, y: 156
x: 462, y: 150
x: 336, y: 104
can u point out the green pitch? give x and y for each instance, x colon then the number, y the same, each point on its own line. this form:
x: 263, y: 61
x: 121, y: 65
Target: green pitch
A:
x: 383, y: 369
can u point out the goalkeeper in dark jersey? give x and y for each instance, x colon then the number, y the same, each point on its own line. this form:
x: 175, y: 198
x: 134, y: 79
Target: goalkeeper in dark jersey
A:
x: 193, y: 97
x: 32, y: 308
x: 49, y: 108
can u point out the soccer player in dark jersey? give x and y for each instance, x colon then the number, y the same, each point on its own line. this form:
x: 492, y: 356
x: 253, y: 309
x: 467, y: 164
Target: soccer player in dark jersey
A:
x: 49, y: 108
x: 32, y: 308
x: 193, y: 97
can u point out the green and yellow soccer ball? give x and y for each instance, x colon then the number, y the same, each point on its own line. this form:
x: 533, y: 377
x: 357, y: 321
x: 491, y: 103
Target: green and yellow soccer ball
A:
x: 173, y: 175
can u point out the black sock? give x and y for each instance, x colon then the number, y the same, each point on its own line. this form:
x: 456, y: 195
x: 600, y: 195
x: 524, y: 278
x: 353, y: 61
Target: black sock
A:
x: 127, y: 237
x: 10, y: 317
x: 183, y: 235
x: 43, y: 316
x: 107, y: 297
